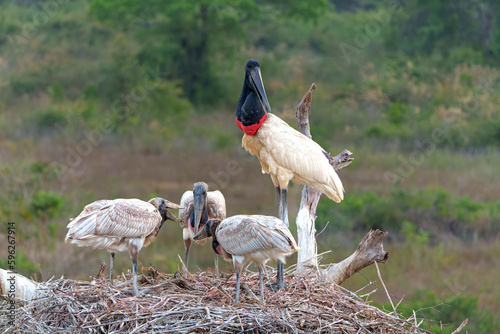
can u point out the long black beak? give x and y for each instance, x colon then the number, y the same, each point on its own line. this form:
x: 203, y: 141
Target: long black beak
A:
x: 172, y: 205
x: 199, y: 205
x: 258, y: 85
x: 202, y: 234
x: 171, y: 216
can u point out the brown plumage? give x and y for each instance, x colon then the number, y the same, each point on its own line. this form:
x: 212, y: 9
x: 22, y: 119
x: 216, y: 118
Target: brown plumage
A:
x: 250, y: 238
x: 199, y: 205
x: 120, y: 225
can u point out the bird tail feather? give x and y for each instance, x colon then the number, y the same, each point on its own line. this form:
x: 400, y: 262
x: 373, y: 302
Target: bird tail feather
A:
x: 82, y: 226
x: 334, y: 189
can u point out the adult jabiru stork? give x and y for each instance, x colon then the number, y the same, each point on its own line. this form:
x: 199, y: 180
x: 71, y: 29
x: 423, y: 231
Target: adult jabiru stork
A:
x: 284, y: 153
x: 243, y: 238
x: 120, y: 225
x: 199, y: 206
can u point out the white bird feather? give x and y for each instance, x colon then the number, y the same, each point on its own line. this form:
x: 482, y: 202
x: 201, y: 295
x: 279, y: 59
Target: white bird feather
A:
x: 112, y: 224
x: 287, y: 154
x: 120, y: 225
x: 255, y: 238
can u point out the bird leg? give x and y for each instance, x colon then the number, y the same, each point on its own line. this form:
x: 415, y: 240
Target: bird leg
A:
x: 216, y: 265
x: 261, y: 285
x: 283, y: 215
x: 134, y: 265
x: 279, y: 276
x: 111, y: 266
x: 187, y: 244
x: 186, y: 258
x: 284, y: 208
x: 278, y: 197
x: 238, y: 286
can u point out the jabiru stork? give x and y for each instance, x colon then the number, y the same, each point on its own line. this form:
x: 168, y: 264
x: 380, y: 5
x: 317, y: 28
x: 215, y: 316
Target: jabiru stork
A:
x: 120, y: 225
x: 200, y: 205
x: 249, y: 238
x: 284, y: 153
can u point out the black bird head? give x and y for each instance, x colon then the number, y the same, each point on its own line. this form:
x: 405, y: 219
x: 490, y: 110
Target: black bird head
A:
x: 208, y: 229
x: 200, y: 202
x: 162, y: 205
x: 253, y: 105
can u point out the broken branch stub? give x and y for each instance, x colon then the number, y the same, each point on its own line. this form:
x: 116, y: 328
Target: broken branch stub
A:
x: 306, y: 232
x: 369, y: 251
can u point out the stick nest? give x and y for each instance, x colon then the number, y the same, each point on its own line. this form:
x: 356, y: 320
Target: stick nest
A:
x: 200, y: 303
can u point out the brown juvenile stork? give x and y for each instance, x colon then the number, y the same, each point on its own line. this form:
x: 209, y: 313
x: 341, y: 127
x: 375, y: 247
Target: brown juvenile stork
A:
x: 284, y: 153
x: 199, y: 206
x: 243, y: 238
x: 120, y: 225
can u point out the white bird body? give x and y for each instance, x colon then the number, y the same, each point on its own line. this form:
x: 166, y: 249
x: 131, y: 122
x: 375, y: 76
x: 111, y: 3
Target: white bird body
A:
x: 254, y: 238
x: 284, y: 153
x: 250, y: 238
x: 120, y: 225
x: 216, y: 207
x: 115, y: 225
x: 287, y: 154
x: 198, y: 206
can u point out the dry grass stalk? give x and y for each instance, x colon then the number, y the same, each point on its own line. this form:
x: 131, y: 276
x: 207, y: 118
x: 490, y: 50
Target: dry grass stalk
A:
x: 199, y: 303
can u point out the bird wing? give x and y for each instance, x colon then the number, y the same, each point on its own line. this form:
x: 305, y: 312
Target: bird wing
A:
x: 95, y: 206
x: 121, y: 218
x: 126, y: 218
x: 89, y: 209
x: 187, y: 202
x: 84, y: 224
x: 243, y: 234
x: 216, y: 205
x: 285, y: 147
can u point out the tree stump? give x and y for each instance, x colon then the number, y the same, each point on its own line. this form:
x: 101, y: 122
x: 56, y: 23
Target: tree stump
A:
x: 307, y: 256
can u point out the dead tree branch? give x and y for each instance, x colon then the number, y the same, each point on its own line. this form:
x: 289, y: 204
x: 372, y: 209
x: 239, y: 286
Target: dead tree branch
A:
x: 307, y: 256
x: 369, y: 251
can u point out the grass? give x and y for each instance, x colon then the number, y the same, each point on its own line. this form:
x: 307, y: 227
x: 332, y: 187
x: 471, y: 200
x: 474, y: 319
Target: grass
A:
x: 450, y: 265
x: 450, y: 271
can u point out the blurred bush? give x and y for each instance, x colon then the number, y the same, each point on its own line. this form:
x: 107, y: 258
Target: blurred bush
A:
x: 46, y: 204
x: 22, y: 264
x: 418, y: 215
x: 445, y: 313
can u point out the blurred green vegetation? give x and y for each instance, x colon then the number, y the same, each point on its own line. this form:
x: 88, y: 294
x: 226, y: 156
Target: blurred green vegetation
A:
x: 163, y: 62
x: 143, y: 78
x: 443, y: 314
x: 419, y: 215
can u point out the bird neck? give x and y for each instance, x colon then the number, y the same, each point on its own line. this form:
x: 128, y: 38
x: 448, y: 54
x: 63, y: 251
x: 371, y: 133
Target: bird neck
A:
x: 250, y: 113
x: 216, y: 246
x: 163, y: 219
x: 149, y: 238
x: 203, y: 219
x: 220, y: 251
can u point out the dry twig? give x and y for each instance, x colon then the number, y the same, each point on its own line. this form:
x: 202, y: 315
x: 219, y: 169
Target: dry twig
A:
x: 197, y: 303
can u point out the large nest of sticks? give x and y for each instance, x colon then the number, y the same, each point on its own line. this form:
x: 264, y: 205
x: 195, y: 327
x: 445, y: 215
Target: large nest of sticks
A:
x: 201, y: 303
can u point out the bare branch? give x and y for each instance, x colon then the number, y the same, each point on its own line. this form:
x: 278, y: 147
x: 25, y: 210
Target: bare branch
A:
x: 306, y: 231
x: 303, y: 111
x: 341, y: 160
x: 369, y: 251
